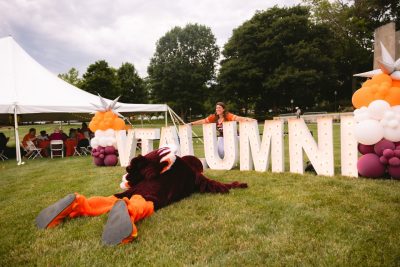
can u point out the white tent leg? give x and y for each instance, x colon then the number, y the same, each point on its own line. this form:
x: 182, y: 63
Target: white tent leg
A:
x: 17, y: 144
x: 166, y: 118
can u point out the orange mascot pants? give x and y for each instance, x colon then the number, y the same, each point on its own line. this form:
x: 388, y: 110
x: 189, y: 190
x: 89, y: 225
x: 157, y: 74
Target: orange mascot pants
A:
x: 138, y: 209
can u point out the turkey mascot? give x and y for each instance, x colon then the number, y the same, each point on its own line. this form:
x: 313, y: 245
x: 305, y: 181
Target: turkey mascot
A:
x: 152, y: 181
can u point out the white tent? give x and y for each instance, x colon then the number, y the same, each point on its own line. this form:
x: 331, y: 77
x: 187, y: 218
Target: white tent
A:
x: 31, y: 91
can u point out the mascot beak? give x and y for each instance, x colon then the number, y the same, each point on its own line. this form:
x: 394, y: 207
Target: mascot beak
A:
x: 168, y: 156
x: 124, y: 184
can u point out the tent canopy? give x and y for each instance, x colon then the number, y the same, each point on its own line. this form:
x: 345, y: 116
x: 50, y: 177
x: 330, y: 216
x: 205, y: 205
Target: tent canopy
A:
x: 27, y: 88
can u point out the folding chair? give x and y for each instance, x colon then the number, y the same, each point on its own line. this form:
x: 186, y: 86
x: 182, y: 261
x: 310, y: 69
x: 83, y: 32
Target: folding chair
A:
x: 76, y: 152
x: 2, y: 156
x: 85, y: 150
x: 57, y: 148
x: 32, y: 150
x: 83, y: 147
x: 82, y: 151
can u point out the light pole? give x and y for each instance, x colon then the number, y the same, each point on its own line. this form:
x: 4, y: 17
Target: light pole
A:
x: 335, y: 100
x: 291, y: 103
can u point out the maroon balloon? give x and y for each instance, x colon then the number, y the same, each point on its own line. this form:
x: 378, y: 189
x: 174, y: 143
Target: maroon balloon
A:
x: 101, y: 156
x: 388, y: 153
x: 110, y: 160
x: 109, y: 150
x: 365, y: 149
x: 397, y: 153
x: 394, y: 172
x: 382, y: 145
x: 383, y: 160
x: 369, y: 165
x: 394, y: 161
x: 98, y: 161
x: 95, y: 154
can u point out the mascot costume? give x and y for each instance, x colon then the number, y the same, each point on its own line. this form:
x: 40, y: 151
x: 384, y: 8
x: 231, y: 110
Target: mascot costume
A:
x: 152, y: 181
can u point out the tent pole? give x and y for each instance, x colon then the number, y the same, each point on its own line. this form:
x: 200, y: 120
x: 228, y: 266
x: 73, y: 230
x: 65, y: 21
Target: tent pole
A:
x: 173, y: 112
x: 17, y: 144
x: 173, y: 119
x: 166, y: 118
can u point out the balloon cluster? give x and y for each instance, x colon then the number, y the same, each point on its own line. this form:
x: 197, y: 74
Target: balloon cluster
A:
x: 377, y: 127
x: 106, y: 120
x: 379, y: 159
x: 105, y: 156
x: 104, y: 138
x: 381, y: 87
x: 378, y: 120
x: 104, y: 124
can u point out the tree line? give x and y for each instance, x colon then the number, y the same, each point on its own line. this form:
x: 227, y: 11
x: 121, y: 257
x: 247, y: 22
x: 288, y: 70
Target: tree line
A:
x: 303, y: 56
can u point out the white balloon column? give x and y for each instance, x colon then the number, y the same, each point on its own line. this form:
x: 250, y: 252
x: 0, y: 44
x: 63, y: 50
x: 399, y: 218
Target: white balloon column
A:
x: 104, y: 124
x: 377, y: 118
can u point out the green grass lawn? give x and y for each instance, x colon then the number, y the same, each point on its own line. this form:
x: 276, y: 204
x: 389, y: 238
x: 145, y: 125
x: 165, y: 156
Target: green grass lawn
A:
x: 280, y: 220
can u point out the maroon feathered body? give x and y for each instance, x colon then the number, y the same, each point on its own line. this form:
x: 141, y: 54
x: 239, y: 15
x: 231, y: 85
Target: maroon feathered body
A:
x: 184, y: 177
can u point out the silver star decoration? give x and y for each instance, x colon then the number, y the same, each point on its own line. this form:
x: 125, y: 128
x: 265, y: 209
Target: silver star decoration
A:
x: 104, y: 107
x: 387, y: 66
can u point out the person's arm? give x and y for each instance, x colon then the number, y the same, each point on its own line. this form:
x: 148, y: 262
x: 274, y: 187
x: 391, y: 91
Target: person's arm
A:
x: 239, y: 118
x: 209, y: 119
x: 198, y: 122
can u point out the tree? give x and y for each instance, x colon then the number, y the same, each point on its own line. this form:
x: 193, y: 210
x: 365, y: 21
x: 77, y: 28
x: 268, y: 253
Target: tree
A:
x: 276, y: 56
x: 101, y: 79
x: 183, y: 66
x: 131, y: 86
x: 352, y: 24
x: 72, y: 77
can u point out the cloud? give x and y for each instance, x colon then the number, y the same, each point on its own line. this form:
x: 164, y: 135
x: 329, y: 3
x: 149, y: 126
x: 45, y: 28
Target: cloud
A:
x: 71, y: 33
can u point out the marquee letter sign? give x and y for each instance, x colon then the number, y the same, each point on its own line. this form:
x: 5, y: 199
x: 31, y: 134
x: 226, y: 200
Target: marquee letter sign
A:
x: 252, y: 151
x: 230, y: 146
x: 321, y: 155
x: 255, y: 152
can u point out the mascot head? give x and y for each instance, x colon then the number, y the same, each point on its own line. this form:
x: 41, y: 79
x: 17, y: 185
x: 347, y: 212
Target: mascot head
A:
x: 149, y: 166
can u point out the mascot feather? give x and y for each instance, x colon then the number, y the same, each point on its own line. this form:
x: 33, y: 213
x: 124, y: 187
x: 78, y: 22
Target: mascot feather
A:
x: 153, y: 181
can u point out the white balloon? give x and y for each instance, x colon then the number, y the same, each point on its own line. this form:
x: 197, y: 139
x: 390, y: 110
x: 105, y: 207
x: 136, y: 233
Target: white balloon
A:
x: 392, y: 134
x: 109, y: 132
x: 368, y: 132
x: 103, y: 141
x: 99, y: 133
x: 377, y: 109
x: 393, y: 123
x: 94, y: 143
x: 396, y: 109
x: 389, y: 114
x: 384, y: 122
x: 361, y: 114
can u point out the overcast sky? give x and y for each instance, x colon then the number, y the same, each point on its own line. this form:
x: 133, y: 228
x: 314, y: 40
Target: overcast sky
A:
x: 61, y: 34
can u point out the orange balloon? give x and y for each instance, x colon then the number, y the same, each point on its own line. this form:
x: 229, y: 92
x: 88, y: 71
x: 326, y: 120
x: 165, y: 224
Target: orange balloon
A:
x: 102, y: 126
x: 367, y: 83
x: 118, y: 124
x: 109, y: 115
x: 93, y: 126
x: 99, y: 115
x: 381, y: 78
x: 396, y: 83
x: 393, y: 98
x: 362, y: 98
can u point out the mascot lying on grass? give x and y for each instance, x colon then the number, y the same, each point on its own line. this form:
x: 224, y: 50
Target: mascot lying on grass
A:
x: 152, y: 181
